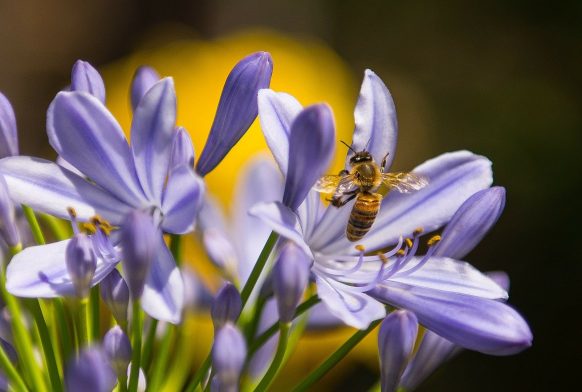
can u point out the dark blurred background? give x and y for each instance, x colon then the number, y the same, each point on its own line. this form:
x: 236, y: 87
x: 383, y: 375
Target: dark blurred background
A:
x: 501, y: 78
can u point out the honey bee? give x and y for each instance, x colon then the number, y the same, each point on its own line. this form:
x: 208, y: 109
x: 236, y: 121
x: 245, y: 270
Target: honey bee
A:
x: 362, y: 182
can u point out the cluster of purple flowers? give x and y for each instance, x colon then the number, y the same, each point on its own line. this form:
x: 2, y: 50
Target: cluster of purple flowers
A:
x: 125, y: 201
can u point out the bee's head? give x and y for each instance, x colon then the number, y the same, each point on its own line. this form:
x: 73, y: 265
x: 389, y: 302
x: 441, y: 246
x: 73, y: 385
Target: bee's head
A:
x: 361, y: 157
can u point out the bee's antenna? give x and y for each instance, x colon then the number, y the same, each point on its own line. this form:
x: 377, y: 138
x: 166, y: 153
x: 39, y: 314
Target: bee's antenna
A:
x: 368, y: 144
x: 348, y: 146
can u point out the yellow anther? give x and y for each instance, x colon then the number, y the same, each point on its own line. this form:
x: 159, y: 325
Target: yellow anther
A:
x: 360, y: 248
x: 383, y: 258
x: 418, y: 230
x: 88, y: 228
x: 434, y: 240
x: 400, y: 252
x: 72, y: 212
x: 408, y: 242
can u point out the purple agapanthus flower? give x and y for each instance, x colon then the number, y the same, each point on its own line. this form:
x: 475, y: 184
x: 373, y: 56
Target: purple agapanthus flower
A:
x: 110, y: 178
x: 355, y: 282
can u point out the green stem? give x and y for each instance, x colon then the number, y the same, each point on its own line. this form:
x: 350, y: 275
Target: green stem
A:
x: 56, y: 226
x: 176, y: 248
x: 22, y: 338
x: 245, y: 295
x: 81, y: 321
x: 334, y: 358
x: 47, y: 345
x: 200, y: 373
x: 136, y: 328
x: 161, y: 360
x: 277, y: 360
x: 16, y: 381
x: 64, y: 331
x: 149, y: 344
x: 33, y: 223
x: 258, y: 268
x: 251, y: 327
x: 269, y: 332
x: 95, y: 314
x: 122, y: 383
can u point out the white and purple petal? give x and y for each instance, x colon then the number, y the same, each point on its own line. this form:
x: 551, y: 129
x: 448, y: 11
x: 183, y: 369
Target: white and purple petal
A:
x: 163, y: 294
x: 471, y: 223
x: 237, y: 108
x: 143, y: 79
x: 85, y: 134
x: 445, y: 274
x: 276, y: 113
x: 8, y: 131
x: 41, y: 272
x: 49, y: 188
x: 282, y: 220
x: 86, y: 78
x: 375, y: 117
x: 259, y: 182
x: 152, y: 137
x: 182, y: 200
x: 182, y: 149
x: 354, y: 308
x: 479, y: 324
x: 311, y: 145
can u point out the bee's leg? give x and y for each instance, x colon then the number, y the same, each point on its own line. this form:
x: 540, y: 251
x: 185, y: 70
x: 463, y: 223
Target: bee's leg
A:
x: 339, y: 202
x: 384, y: 161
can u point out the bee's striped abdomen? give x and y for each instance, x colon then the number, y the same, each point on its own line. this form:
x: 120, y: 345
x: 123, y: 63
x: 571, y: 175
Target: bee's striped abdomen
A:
x: 363, y: 215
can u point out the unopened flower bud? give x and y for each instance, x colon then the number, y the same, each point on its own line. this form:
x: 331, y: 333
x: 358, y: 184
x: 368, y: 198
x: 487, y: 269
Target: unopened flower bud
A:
x: 81, y: 263
x: 117, y: 348
x: 86, y: 78
x: 115, y: 294
x: 8, y: 131
x: 290, y: 278
x: 395, y: 344
x: 90, y: 371
x: 8, y: 229
x: 139, y: 238
x: 226, y: 306
x: 228, y: 357
x: 237, y: 108
x: 143, y: 79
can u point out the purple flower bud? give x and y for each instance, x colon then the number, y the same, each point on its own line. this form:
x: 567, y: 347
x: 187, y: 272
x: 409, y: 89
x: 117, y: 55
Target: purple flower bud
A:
x: 143, y: 79
x: 8, y: 229
x: 226, y: 306
x: 182, y: 150
x: 86, y: 78
x: 8, y: 131
x: 117, y: 349
x: 311, y: 145
x: 90, y: 372
x: 395, y: 343
x: 290, y: 278
x: 237, y: 108
x: 228, y: 357
x: 9, y: 350
x: 139, y: 241
x: 115, y: 294
x: 81, y: 263
x: 471, y: 222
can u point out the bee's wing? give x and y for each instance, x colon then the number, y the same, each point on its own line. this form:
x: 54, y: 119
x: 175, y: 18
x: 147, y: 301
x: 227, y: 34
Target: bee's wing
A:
x: 334, y: 184
x: 404, y: 182
x: 327, y: 184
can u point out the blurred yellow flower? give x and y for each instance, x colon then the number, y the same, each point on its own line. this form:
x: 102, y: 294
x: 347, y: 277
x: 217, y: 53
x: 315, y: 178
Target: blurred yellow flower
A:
x: 305, y: 68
